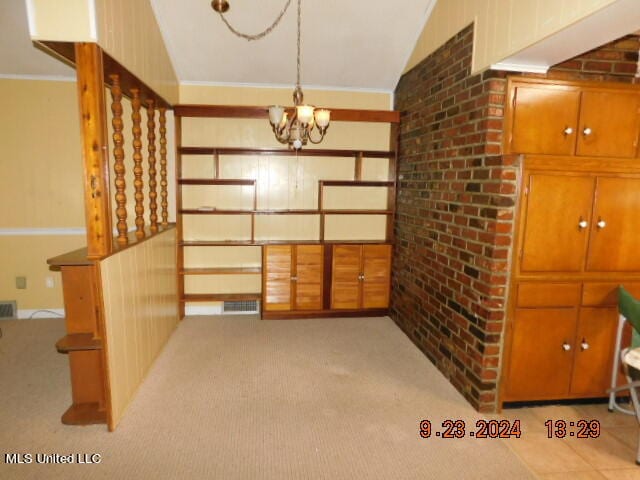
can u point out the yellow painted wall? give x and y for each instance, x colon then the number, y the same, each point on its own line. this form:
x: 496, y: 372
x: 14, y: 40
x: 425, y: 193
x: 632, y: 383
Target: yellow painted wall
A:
x: 502, y: 27
x: 141, y: 312
x: 40, y: 185
x: 282, y: 182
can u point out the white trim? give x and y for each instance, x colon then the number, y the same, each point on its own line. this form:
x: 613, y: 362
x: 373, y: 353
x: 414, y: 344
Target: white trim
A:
x: 54, y: 78
x: 283, y: 86
x: 31, y: 18
x: 200, y: 310
x: 93, y: 22
x: 30, y: 232
x: 427, y: 14
x: 520, y: 67
x: 26, y: 314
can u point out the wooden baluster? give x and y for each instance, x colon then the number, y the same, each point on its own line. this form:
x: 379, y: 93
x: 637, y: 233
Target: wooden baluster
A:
x: 153, y: 195
x: 137, y: 162
x: 163, y: 168
x: 118, y: 153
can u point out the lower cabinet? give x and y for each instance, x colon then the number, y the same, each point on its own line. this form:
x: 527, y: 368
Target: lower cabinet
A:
x: 360, y: 276
x: 292, y: 277
x: 312, y: 279
x: 562, y: 341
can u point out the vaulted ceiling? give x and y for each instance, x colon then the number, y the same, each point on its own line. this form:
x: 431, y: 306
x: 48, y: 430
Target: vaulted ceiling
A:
x: 362, y: 44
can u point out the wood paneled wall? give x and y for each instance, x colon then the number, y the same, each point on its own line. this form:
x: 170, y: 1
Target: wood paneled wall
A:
x: 141, y: 312
x: 502, y: 27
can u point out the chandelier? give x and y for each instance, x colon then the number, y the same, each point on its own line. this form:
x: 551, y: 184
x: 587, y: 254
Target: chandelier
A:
x: 298, y: 126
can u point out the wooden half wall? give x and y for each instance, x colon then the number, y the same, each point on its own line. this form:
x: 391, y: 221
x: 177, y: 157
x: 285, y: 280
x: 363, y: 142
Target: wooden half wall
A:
x: 141, y: 312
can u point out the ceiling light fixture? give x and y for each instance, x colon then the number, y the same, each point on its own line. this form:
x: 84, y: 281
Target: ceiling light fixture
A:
x: 294, y: 128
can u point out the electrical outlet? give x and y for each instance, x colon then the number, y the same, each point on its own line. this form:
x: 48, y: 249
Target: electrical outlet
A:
x: 21, y: 283
x: 48, y: 281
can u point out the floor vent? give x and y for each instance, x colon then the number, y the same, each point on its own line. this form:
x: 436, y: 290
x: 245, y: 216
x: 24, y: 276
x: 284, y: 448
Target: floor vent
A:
x: 240, y: 306
x: 8, y: 310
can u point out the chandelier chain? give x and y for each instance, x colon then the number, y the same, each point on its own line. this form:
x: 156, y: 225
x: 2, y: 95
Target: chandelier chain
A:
x: 299, y: 28
x: 262, y: 34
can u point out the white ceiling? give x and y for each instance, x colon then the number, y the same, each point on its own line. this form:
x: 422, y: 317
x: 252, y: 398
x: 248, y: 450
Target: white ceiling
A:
x: 18, y: 56
x: 360, y: 44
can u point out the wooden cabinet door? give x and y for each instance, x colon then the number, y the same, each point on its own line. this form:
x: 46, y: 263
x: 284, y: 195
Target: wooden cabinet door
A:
x: 345, y: 276
x: 376, y: 268
x: 615, y: 231
x: 540, y: 368
x: 541, y: 119
x: 553, y: 238
x: 309, y: 260
x: 609, y: 124
x: 594, y: 346
x: 277, y: 277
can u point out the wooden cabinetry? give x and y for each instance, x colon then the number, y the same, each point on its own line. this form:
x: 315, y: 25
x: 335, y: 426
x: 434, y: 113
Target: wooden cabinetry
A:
x: 293, y: 277
x: 577, y: 234
x: 360, y: 276
x: 573, y: 220
x: 84, y: 342
x: 564, y: 118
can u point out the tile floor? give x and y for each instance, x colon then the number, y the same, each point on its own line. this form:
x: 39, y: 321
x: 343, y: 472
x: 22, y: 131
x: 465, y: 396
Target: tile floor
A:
x: 610, y: 456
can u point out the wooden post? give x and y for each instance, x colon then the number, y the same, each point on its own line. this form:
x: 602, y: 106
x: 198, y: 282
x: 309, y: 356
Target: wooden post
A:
x: 137, y: 162
x: 151, y: 140
x: 93, y: 124
x: 118, y: 166
x: 163, y: 168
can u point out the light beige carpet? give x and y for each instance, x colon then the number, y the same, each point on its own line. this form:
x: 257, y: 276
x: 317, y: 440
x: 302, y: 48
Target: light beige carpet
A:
x: 238, y: 398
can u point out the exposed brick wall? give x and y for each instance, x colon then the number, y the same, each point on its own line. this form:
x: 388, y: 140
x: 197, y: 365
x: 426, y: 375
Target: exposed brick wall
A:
x: 456, y: 203
x: 454, y: 217
x: 614, y: 62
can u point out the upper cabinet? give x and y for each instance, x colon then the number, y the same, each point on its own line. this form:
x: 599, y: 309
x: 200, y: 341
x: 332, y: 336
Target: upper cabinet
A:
x: 573, y: 119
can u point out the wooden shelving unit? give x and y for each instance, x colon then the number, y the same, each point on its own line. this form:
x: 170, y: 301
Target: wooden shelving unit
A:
x: 254, y: 238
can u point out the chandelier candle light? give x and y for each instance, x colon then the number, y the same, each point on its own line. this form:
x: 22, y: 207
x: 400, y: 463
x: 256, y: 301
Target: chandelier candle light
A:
x: 297, y: 130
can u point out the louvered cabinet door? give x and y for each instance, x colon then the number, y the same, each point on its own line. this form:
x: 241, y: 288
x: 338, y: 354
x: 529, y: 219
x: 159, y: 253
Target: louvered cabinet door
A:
x: 345, y: 277
x: 308, y: 276
x: 277, y: 278
x: 376, y: 269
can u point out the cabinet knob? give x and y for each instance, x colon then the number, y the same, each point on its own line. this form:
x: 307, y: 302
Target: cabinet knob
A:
x: 566, y: 347
x: 294, y: 278
x: 583, y: 223
x: 361, y: 277
x: 587, y: 131
x: 601, y: 223
x: 568, y: 131
x: 584, y: 345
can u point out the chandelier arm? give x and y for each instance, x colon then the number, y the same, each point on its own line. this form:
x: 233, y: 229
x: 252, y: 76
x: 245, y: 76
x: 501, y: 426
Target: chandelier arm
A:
x: 315, y: 142
x: 262, y: 34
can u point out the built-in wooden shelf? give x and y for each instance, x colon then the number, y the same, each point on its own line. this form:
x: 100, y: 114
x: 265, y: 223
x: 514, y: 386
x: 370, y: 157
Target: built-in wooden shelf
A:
x: 220, y: 297
x: 222, y: 271
x: 357, y: 212
x: 338, y: 211
x: 84, y: 414
x: 283, y: 151
x: 75, y: 342
x: 249, y: 243
x: 216, y: 181
x: 356, y: 183
x: 217, y: 211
